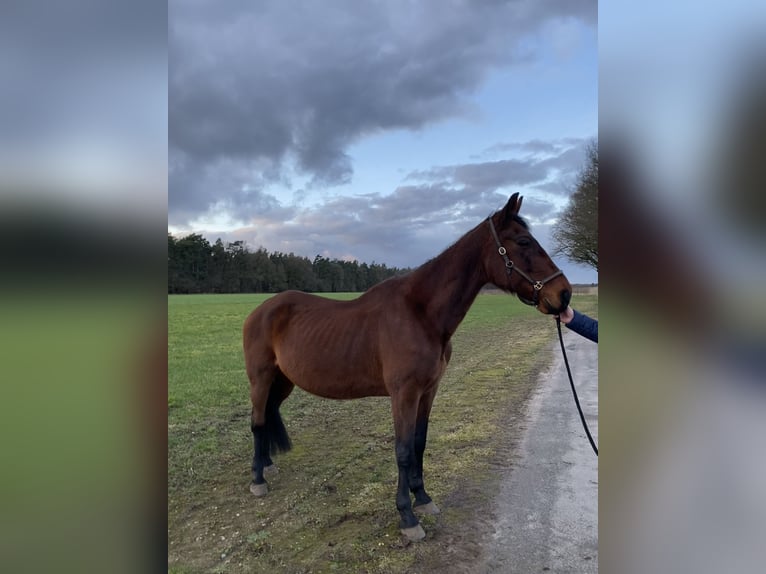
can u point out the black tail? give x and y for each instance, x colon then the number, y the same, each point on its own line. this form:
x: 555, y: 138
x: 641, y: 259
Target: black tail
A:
x: 276, y: 433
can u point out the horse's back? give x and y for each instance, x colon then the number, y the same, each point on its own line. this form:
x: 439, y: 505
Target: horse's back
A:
x: 277, y: 310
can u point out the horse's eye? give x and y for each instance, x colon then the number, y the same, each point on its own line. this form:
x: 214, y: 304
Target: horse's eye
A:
x: 523, y: 242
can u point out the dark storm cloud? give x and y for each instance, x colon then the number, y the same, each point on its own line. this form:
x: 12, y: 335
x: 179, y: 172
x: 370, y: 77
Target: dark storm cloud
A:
x: 194, y: 186
x: 293, y: 84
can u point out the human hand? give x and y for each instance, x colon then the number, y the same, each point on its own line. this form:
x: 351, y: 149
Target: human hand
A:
x: 567, y: 315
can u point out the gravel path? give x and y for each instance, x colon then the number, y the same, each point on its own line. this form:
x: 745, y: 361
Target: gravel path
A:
x: 547, y: 509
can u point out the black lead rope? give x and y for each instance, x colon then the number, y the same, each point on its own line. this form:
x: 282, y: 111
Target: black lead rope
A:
x: 574, y: 392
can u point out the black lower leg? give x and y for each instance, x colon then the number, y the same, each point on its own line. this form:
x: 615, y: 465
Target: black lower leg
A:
x: 416, y: 481
x: 260, y: 452
x: 405, y: 460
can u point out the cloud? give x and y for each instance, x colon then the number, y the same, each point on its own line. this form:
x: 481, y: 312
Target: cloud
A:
x: 404, y: 229
x: 534, y: 147
x: 489, y: 175
x: 291, y: 86
x: 420, y: 218
x: 546, y: 166
x: 196, y: 188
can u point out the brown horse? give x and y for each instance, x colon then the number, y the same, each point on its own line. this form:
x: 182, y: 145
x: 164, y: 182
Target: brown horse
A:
x: 394, y: 340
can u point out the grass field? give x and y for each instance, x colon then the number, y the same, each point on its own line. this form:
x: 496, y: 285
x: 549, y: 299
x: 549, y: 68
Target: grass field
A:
x: 331, y: 507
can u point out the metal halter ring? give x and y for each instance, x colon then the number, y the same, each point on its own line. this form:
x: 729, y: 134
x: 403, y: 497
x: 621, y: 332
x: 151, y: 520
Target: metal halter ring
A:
x: 501, y: 250
x: 538, y: 285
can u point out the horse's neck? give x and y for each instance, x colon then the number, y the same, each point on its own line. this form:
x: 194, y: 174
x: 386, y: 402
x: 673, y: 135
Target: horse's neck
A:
x: 447, y: 285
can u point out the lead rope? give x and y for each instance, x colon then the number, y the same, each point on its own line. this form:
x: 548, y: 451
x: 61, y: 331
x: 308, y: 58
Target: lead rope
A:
x: 574, y: 392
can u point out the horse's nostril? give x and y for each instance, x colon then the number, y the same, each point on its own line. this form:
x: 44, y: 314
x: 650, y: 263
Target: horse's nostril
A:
x: 566, y: 297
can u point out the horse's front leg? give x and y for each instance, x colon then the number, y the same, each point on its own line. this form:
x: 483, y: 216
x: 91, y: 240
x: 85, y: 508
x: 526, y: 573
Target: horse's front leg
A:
x: 404, y: 409
x: 423, y: 502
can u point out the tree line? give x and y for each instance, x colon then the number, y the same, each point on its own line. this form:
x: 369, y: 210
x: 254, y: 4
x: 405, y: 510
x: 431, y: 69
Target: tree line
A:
x: 196, y: 266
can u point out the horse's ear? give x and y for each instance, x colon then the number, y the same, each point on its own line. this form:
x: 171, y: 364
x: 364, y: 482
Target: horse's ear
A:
x: 512, y: 207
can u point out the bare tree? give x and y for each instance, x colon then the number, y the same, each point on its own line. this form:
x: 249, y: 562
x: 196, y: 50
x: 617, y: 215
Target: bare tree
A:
x: 576, y: 232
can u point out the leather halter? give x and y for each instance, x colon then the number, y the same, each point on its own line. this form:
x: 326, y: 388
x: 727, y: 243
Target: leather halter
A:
x: 537, y: 285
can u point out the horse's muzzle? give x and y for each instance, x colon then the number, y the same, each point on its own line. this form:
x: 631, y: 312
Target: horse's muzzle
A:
x: 565, y: 296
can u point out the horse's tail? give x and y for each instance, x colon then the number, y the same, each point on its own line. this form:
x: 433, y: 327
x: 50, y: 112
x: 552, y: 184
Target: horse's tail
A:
x: 276, y: 433
x: 262, y: 371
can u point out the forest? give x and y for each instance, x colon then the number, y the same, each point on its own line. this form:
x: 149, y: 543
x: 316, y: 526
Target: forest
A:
x: 196, y: 266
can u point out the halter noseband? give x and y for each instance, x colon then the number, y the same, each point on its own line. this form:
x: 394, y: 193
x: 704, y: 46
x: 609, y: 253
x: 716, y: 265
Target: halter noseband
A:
x: 537, y: 285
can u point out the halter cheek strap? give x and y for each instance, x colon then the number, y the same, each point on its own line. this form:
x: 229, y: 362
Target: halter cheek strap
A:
x: 537, y: 285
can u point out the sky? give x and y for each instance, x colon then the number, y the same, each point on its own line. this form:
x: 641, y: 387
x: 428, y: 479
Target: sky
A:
x: 376, y: 131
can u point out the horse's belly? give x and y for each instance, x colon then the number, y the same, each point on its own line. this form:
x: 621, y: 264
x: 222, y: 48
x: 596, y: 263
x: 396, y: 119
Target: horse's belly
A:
x: 331, y: 379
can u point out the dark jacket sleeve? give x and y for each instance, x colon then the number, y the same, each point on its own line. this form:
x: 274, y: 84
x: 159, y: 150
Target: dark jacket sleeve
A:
x: 585, y: 326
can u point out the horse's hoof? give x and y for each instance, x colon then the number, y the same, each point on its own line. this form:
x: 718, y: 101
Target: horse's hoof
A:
x: 271, y: 469
x: 415, y: 533
x: 429, y: 508
x: 259, y: 489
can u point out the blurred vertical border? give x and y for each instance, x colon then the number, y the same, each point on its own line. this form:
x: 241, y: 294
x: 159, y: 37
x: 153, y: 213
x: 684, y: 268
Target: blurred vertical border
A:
x: 682, y: 137
x: 83, y: 370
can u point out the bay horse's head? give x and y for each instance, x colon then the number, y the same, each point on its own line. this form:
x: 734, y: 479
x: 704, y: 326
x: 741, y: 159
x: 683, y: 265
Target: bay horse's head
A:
x: 515, y: 262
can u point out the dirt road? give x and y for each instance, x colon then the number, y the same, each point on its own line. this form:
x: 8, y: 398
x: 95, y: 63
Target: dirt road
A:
x: 546, y: 514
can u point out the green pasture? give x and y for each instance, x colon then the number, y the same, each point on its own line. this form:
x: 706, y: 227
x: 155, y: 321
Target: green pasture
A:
x: 331, y: 507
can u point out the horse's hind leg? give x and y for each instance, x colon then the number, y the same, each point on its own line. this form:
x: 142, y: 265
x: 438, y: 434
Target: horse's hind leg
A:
x: 268, y: 388
x: 260, y: 384
x: 278, y: 440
